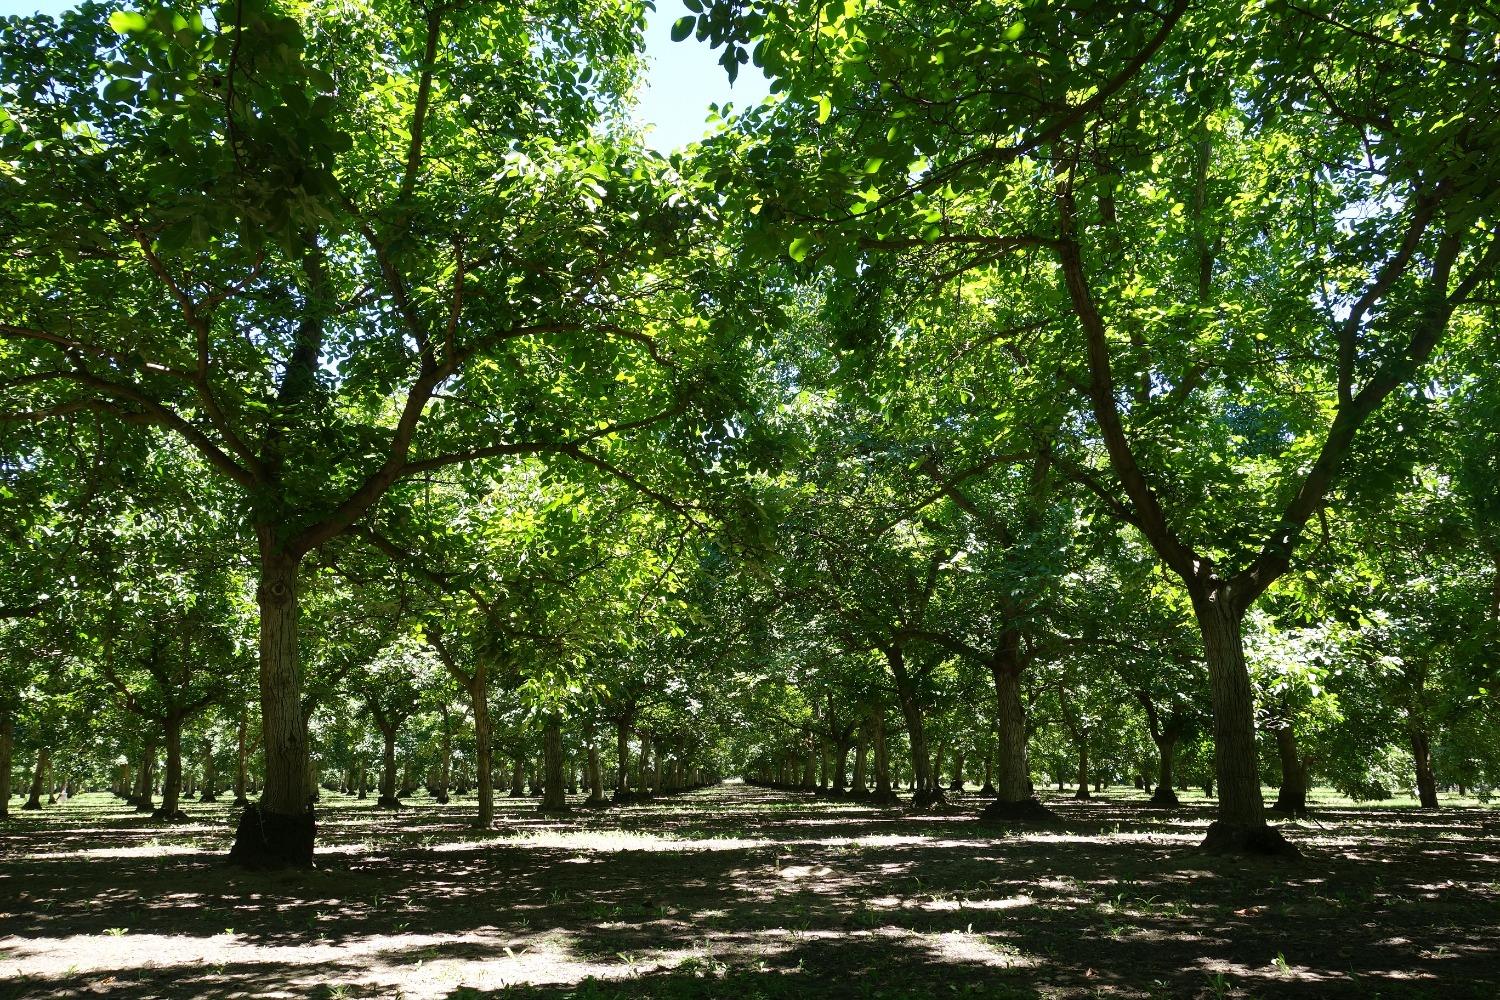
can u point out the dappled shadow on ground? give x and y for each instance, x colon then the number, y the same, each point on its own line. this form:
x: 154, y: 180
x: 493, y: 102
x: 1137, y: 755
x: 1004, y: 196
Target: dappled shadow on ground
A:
x: 747, y: 892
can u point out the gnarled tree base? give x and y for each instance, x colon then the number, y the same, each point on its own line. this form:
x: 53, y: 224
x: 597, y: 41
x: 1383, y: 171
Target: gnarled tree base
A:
x: 1028, y: 810
x: 208, y: 797
x: 885, y: 798
x: 1163, y: 798
x: 988, y: 791
x: 265, y: 839
x: 1234, y: 838
x: 926, y: 798
x: 240, y: 802
x: 600, y: 803
x: 389, y: 802
x: 176, y: 816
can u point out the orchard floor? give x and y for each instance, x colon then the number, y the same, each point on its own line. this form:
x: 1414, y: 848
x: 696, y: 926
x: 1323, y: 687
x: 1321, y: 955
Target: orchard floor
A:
x: 738, y: 892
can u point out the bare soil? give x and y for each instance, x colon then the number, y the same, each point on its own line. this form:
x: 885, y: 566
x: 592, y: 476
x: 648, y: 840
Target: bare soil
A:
x: 738, y: 892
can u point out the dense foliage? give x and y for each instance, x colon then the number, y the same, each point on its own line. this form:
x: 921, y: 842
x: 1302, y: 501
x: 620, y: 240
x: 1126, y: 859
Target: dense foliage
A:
x: 1022, y: 393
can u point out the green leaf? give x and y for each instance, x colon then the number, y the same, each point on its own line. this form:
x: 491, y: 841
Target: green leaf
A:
x: 121, y: 90
x: 683, y: 27
x: 825, y: 108
x: 127, y: 21
x: 799, y: 248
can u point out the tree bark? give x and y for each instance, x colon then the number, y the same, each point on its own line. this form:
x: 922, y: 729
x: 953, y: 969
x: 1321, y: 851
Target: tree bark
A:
x: 1241, y: 823
x: 861, y: 753
x: 445, y: 767
x: 143, y: 799
x: 622, y: 753
x: 1083, y: 768
x: 241, y: 768
x: 518, y: 776
x: 1166, y: 748
x: 7, y: 749
x: 280, y: 829
x: 1013, y: 769
x: 554, y: 795
x: 171, y: 785
x: 596, y: 776
x: 1421, y: 752
x: 484, y: 778
x: 38, y: 776
x: 1292, y: 797
x: 911, y: 712
x: 388, y: 799
x: 884, y: 793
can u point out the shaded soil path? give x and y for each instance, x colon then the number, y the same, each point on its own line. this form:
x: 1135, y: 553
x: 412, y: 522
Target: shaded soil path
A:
x: 736, y: 891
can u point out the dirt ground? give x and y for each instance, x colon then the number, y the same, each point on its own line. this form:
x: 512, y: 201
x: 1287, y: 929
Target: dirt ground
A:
x: 738, y: 892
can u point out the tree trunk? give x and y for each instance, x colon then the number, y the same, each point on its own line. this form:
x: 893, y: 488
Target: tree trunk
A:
x: 1014, y: 800
x: 884, y: 793
x: 38, y: 776
x: 1292, y: 798
x: 484, y: 778
x: 388, y: 799
x: 210, y: 775
x: 957, y: 784
x: 445, y: 766
x: 143, y: 799
x: 1165, y: 751
x: 911, y: 712
x: 518, y: 776
x: 1426, y: 782
x: 362, y: 782
x: 7, y: 748
x: 1083, y: 768
x: 1012, y: 767
x: 1241, y: 822
x: 280, y: 829
x: 171, y: 786
x: 241, y: 768
x: 596, y: 776
x: 861, y: 753
x: 622, y: 753
x: 554, y: 797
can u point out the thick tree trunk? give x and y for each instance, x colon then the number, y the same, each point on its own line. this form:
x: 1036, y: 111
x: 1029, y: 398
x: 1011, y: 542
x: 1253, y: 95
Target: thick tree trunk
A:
x: 1292, y: 797
x: 884, y: 794
x: 1165, y: 751
x: 388, y: 799
x: 622, y: 756
x: 911, y: 711
x: 484, y: 778
x: 554, y: 796
x: 147, y: 787
x: 7, y: 750
x: 241, y: 767
x: 957, y: 784
x: 1014, y: 800
x: 38, y: 777
x: 596, y: 776
x: 840, y: 768
x: 210, y: 775
x: 1421, y: 752
x: 1241, y: 822
x: 280, y: 829
x: 518, y: 776
x: 361, y: 782
x: 445, y: 767
x: 171, y: 785
x: 859, y: 788
x: 1083, y: 769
